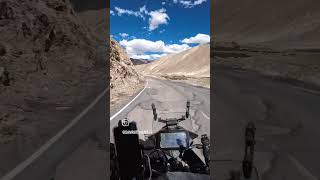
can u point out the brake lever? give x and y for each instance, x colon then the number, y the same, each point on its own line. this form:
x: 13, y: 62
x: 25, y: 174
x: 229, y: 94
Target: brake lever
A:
x: 247, y: 163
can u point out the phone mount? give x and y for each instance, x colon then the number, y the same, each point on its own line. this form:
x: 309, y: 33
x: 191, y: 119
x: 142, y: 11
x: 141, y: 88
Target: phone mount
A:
x: 128, y: 150
x: 155, y: 114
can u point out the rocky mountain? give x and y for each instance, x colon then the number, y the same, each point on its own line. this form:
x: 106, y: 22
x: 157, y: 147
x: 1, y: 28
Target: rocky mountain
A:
x: 124, y: 77
x: 49, y: 61
x: 97, y: 21
x: 140, y: 61
x: 286, y: 23
x: 41, y: 41
x: 193, y: 62
x: 85, y: 5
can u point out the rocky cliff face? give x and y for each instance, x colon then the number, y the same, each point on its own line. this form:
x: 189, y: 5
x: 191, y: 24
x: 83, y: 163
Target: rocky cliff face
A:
x: 85, y: 5
x: 50, y: 66
x: 124, y: 77
x: 49, y: 55
x: 97, y: 21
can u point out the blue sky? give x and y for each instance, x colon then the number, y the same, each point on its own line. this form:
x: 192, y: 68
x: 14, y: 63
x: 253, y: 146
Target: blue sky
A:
x: 149, y: 29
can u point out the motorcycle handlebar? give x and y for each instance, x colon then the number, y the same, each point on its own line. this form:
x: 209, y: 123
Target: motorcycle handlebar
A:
x: 155, y: 114
x: 168, y: 120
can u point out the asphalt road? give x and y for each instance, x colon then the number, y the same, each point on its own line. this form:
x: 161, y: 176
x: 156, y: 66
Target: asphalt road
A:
x: 287, y: 120
x: 286, y: 117
x: 77, y: 151
x: 170, y: 100
x: 88, y: 161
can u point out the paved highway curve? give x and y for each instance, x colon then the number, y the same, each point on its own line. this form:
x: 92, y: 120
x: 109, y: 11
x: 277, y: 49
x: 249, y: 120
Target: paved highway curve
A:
x: 287, y: 120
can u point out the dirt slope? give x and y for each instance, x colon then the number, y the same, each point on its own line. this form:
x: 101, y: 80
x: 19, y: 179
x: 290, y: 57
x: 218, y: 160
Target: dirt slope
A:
x: 193, y: 62
x: 290, y: 23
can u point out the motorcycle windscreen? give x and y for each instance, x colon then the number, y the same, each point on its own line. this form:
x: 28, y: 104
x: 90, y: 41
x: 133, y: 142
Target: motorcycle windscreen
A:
x: 173, y: 140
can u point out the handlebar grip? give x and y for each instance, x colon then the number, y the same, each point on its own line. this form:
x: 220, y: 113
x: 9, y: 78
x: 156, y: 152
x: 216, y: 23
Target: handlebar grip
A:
x: 188, y: 109
x: 154, y: 111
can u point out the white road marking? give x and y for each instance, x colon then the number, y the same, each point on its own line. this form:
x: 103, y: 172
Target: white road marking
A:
x: 204, y: 114
x: 18, y: 169
x: 116, y: 114
x: 307, y: 90
x: 302, y: 169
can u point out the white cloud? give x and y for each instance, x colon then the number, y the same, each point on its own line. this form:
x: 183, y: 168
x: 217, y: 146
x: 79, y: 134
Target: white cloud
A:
x: 176, y: 48
x: 189, y: 3
x: 139, y: 13
x: 186, y: 3
x: 198, y: 2
x: 143, y: 9
x: 157, y: 17
x: 123, y: 35
x: 139, y: 47
x: 112, y: 12
x: 198, y: 39
x: 157, y: 56
x: 163, y: 3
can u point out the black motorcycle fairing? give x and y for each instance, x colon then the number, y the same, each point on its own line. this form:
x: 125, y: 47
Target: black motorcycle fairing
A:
x: 156, y: 137
x: 195, y: 163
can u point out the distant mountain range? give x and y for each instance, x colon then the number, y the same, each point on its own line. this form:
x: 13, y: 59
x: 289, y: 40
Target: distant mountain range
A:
x: 193, y: 62
x: 140, y: 61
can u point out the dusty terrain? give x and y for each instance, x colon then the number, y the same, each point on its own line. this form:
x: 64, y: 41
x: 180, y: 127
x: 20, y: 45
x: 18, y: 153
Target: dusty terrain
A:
x: 282, y: 43
x: 54, y: 66
x: 195, y: 81
x: 288, y: 24
x: 288, y: 65
x: 191, y: 66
